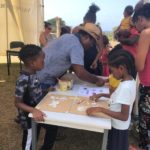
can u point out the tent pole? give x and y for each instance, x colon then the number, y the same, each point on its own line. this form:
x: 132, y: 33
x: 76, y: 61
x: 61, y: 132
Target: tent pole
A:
x: 6, y: 24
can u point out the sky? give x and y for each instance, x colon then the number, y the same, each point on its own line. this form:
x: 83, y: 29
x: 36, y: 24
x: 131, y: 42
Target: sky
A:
x: 73, y: 11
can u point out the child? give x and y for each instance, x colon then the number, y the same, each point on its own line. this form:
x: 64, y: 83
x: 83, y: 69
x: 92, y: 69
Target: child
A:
x: 28, y: 94
x: 104, y: 56
x: 125, y: 24
x: 121, y: 100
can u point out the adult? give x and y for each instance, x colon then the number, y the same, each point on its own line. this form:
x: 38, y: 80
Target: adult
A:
x: 46, y: 35
x: 92, y: 52
x: 143, y: 64
x: 68, y: 51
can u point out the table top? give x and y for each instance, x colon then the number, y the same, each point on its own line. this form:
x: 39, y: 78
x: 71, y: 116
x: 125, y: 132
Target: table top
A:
x: 67, y: 108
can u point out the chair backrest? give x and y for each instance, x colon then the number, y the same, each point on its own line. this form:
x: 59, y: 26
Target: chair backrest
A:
x: 16, y: 44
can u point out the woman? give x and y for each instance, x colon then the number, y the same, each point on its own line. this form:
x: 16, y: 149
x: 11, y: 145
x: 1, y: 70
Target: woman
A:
x: 143, y: 67
x: 45, y: 36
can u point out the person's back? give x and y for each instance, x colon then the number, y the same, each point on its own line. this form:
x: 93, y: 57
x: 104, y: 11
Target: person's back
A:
x: 62, y: 49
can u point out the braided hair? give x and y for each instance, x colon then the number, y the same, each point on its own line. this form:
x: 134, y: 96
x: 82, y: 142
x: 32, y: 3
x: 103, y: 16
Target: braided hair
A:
x: 122, y: 57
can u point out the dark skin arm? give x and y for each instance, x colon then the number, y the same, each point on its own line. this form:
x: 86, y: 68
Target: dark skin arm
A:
x: 37, y: 114
x: 86, y: 76
x: 95, y: 97
x: 122, y: 115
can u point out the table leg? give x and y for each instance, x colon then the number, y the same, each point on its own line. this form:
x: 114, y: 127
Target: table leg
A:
x: 104, y: 143
x: 34, y: 134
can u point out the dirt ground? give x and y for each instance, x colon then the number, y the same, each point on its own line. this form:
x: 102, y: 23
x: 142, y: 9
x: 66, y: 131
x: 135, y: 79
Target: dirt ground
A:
x: 10, y: 132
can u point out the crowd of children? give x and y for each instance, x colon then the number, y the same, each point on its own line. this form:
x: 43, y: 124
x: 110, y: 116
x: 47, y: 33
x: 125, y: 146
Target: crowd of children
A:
x: 121, y: 64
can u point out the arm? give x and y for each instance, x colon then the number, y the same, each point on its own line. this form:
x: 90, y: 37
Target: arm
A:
x: 37, y: 114
x: 143, y: 48
x: 122, y: 115
x: 86, y: 76
x: 95, y: 97
x: 99, y: 47
x: 94, y: 64
x: 42, y: 39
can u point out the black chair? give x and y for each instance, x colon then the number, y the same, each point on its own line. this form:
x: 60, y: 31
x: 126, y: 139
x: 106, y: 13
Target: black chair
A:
x: 15, y: 47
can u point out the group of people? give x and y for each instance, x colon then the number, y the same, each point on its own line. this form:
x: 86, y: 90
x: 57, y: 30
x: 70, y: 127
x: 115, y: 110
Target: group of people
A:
x: 43, y: 66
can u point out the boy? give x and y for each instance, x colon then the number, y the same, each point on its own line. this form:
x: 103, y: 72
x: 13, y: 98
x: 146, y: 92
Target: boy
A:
x: 28, y: 94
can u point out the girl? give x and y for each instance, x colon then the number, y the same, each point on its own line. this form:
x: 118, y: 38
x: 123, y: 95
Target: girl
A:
x: 142, y: 17
x: 121, y: 100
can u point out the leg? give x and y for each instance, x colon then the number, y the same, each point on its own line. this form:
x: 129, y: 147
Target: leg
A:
x: 117, y: 139
x: 27, y: 139
x: 105, y: 136
x: 8, y: 63
x: 34, y: 134
x: 144, y: 116
x: 50, y: 136
x: 20, y: 65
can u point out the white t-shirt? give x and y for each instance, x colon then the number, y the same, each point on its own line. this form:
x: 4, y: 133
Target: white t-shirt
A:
x: 124, y: 94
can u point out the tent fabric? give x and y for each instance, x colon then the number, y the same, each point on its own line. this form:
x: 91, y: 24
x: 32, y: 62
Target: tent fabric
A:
x: 21, y: 20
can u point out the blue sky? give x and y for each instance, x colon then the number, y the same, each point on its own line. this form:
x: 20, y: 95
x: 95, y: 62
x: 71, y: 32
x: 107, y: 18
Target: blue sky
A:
x: 73, y: 11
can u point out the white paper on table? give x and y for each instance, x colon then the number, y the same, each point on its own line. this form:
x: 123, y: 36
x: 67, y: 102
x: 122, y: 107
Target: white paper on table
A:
x: 88, y: 91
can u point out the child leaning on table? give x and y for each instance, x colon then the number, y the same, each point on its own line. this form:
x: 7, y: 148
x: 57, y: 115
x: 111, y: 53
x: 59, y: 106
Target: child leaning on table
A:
x: 121, y: 100
x: 28, y: 94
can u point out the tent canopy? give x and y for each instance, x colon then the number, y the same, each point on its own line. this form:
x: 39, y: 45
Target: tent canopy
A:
x: 21, y: 20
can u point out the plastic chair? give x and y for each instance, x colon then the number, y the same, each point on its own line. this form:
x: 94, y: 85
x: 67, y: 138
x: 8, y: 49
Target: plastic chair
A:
x: 15, y: 47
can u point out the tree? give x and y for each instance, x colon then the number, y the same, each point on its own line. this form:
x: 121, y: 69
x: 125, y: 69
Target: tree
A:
x: 53, y: 23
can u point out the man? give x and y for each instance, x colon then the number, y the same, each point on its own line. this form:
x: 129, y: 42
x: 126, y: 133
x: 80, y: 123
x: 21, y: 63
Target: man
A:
x: 68, y: 51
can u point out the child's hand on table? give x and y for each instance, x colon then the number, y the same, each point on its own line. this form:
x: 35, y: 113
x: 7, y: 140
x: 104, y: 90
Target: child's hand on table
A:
x: 95, y: 97
x: 92, y: 110
x: 38, y: 115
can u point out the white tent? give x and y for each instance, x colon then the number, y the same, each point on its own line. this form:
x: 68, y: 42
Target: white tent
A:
x: 20, y: 20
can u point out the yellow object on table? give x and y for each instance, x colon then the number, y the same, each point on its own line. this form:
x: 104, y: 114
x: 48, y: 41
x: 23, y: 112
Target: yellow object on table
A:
x: 65, y: 85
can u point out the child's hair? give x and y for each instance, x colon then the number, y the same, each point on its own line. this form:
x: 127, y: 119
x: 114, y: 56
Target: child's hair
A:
x: 105, y: 40
x: 119, y: 56
x: 90, y: 16
x: 129, y: 10
x: 29, y: 52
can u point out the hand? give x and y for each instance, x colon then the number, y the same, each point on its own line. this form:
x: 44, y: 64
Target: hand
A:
x: 95, y: 97
x: 94, y: 65
x: 38, y: 115
x: 92, y: 110
x: 51, y: 88
x: 100, y: 82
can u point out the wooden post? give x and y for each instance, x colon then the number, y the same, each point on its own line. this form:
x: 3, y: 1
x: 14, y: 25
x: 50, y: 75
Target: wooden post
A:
x: 57, y: 27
